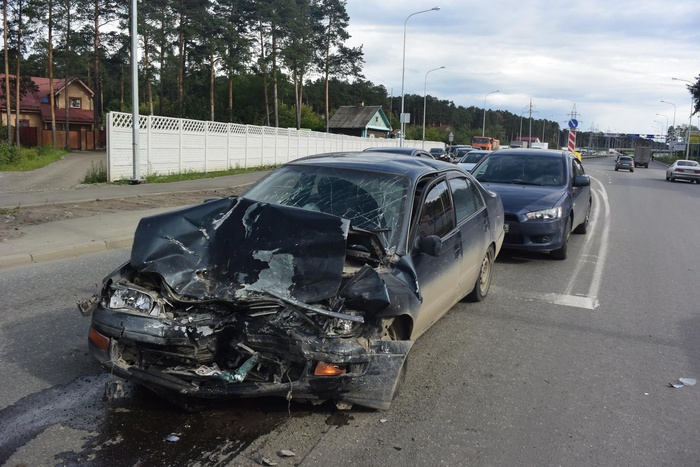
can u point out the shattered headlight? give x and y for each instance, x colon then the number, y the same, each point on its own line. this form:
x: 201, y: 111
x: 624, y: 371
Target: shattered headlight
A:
x: 134, y: 299
x: 545, y: 214
x: 342, y: 327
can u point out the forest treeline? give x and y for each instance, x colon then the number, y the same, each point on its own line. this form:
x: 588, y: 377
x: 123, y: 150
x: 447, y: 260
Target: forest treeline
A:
x: 281, y: 63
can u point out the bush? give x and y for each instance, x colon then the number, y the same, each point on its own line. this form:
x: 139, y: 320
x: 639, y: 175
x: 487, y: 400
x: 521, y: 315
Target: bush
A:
x: 9, y: 154
x: 96, y: 173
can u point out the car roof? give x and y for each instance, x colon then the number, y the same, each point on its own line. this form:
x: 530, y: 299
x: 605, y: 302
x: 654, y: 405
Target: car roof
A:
x: 398, y: 164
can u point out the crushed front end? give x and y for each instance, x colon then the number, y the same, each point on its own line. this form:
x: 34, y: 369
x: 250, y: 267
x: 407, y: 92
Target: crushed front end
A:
x: 299, y: 319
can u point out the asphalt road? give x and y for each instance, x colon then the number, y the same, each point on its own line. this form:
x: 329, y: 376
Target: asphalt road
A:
x: 565, y: 363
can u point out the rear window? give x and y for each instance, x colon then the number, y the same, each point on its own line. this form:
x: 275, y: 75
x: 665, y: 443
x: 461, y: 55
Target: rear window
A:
x: 625, y: 159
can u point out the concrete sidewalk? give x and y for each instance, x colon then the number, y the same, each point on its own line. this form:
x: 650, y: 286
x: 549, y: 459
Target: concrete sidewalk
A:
x: 84, y: 235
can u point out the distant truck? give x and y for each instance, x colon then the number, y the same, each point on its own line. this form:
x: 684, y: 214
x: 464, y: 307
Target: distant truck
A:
x: 539, y: 145
x: 642, y: 156
x: 485, y: 142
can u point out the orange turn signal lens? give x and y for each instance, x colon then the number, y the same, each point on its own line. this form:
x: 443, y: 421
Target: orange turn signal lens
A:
x: 328, y: 369
x: 99, y: 340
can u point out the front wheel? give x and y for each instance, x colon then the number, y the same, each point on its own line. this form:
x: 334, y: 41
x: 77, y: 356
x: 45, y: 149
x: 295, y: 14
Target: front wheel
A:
x: 562, y: 252
x: 483, y: 282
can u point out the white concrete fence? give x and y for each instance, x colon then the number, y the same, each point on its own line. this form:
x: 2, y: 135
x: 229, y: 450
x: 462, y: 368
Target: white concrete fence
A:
x: 175, y: 145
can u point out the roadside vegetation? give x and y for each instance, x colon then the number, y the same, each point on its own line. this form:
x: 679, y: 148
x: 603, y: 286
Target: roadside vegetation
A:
x: 156, y: 178
x: 97, y: 173
x: 21, y: 159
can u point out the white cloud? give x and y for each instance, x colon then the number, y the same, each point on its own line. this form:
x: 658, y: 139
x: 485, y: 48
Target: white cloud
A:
x: 613, y: 60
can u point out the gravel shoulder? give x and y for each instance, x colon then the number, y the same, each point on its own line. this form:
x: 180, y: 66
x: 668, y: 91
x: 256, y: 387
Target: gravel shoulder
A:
x: 68, y: 174
x: 13, y: 221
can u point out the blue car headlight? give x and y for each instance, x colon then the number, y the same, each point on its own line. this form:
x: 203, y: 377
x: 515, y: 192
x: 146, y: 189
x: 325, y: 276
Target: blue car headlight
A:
x: 545, y: 214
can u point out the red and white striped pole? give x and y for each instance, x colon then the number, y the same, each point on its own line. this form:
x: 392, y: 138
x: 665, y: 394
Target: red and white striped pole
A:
x: 572, y: 140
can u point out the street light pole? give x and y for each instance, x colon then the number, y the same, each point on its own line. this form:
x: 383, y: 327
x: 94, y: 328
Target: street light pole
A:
x: 690, y: 119
x: 483, y: 127
x: 402, y: 123
x: 666, y: 129
x: 674, y: 120
x: 425, y: 100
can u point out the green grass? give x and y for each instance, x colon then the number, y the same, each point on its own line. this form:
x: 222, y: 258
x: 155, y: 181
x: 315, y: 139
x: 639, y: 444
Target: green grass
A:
x: 20, y: 159
x: 189, y: 175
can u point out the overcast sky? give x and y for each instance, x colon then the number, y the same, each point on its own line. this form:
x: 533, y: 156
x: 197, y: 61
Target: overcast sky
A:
x: 612, y: 59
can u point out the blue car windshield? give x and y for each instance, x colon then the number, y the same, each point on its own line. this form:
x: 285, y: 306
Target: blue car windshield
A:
x: 521, y: 169
x: 373, y: 201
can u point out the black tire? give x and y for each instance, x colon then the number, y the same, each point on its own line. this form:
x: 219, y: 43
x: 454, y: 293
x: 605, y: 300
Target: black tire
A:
x: 631, y: 170
x: 396, y: 332
x: 667, y: 178
x: 483, y: 281
x: 615, y: 169
x: 582, y: 228
x: 562, y: 252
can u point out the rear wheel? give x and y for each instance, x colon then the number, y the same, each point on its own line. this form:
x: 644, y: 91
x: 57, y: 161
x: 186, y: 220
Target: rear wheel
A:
x: 483, y: 282
x: 562, y: 252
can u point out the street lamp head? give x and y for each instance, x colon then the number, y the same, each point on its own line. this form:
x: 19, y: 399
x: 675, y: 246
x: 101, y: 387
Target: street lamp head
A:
x: 435, y: 8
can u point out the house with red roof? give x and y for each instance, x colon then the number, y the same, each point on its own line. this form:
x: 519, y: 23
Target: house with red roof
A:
x: 35, y: 113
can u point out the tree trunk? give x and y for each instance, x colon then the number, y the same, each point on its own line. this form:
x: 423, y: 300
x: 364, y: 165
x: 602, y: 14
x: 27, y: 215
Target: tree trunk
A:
x: 65, y: 84
x: 263, y: 70
x: 275, y: 97
x: 211, y: 87
x: 147, y: 65
x: 18, y: 97
x: 96, y: 107
x: 181, y: 67
x: 230, y: 98
x: 8, y: 101
x: 52, y: 97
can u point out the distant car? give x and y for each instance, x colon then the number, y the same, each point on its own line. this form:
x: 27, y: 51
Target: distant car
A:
x: 436, y: 152
x: 455, y: 147
x: 441, y: 154
x: 624, y: 163
x: 405, y: 151
x: 546, y: 195
x: 684, y: 169
x: 471, y: 158
x: 313, y: 285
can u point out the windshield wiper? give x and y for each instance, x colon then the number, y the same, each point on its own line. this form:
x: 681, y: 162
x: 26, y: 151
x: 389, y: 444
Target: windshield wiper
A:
x: 524, y: 182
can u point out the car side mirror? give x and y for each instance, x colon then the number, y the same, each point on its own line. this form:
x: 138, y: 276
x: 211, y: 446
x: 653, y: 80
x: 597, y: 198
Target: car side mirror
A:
x: 582, y: 180
x: 430, y: 245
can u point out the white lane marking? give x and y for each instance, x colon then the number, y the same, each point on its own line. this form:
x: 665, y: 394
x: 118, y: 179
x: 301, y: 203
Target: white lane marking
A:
x: 590, y: 299
x: 575, y: 301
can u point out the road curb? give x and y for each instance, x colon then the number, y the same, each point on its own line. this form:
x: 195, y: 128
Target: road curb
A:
x: 70, y: 251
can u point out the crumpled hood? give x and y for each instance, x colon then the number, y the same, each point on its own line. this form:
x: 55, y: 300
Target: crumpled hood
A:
x: 229, y: 248
x: 518, y: 199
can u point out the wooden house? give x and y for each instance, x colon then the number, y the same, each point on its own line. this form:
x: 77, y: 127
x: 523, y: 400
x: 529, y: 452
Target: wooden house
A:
x: 365, y: 121
x: 35, y: 113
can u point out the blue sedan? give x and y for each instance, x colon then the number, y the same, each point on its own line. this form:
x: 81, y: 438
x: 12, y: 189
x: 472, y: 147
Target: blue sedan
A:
x: 313, y: 285
x: 546, y: 195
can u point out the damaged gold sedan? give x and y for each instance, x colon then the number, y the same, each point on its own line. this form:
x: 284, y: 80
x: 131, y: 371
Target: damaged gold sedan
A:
x: 312, y: 286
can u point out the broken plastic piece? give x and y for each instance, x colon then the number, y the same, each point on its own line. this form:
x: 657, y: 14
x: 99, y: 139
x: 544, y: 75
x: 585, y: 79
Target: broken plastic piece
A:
x: 172, y: 438
x: 87, y: 306
x: 241, y: 372
x: 682, y: 382
x: 114, y: 389
x: 286, y: 453
x: 262, y: 460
